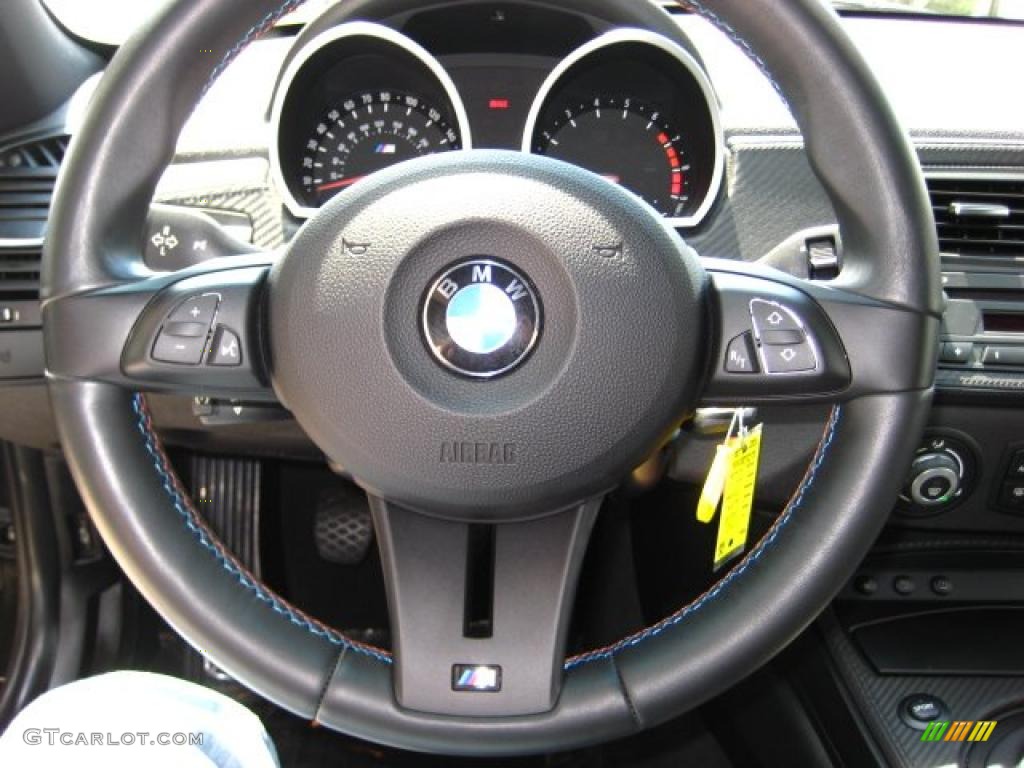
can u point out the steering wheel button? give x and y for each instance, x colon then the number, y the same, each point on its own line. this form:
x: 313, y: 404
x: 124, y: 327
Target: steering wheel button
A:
x: 226, y: 348
x: 180, y: 350
x: 782, y: 338
x: 772, y: 316
x: 186, y: 330
x: 197, y: 309
x: 790, y: 358
x: 738, y: 356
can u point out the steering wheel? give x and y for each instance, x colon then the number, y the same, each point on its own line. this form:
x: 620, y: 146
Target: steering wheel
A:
x: 605, y: 330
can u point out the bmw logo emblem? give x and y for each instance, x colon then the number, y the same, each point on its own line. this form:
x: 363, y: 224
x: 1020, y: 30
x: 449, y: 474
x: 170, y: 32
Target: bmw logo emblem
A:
x: 481, y: 318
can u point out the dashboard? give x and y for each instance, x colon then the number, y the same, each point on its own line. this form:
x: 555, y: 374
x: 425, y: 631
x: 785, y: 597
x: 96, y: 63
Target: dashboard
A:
x: 631, y: 105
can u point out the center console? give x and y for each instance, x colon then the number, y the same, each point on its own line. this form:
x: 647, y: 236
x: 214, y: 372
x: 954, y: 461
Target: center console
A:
x: 926, y: 638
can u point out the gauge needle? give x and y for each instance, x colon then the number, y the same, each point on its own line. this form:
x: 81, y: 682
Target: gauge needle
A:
x: 339, y: 184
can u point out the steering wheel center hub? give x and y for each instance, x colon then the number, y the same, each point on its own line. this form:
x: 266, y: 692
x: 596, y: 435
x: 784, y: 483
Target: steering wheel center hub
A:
x: 481, y: 318
x: 508, y: 360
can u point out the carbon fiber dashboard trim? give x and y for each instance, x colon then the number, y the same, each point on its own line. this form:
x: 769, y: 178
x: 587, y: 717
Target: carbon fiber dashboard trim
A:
x: 770, y: 191
x: 261, y: 204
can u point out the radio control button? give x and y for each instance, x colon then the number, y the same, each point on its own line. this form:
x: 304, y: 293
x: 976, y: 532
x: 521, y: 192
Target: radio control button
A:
x: 1003, y: 355
x: 198, y: 309
x: 782, y: 338
x: 1016, y: 465
x: 793, y: 358
x: 1011, y: 498
x: 772, y: 316
x: 180, y: 350
x: 956, y: 352
x: 738, y: 356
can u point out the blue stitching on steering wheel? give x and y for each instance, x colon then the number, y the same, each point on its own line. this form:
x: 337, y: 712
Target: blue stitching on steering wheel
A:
x: 755, y: 554
x: 732, y: 34
x: 182, y: 507
x: 255, y: 31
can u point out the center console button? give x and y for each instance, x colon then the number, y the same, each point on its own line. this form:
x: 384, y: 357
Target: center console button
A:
x: 920, y: 709
x: 1003, y: 355
x: 956, y: 352
x: 1012, y: 497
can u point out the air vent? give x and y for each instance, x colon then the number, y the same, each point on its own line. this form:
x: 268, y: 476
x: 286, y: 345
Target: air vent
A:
x: 43, y: 153
x: 27, y: 175
x: 19, y: 274
x: 979, y: 217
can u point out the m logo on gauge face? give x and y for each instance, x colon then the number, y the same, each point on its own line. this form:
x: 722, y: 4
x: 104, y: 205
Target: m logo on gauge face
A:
x: 481, y: 318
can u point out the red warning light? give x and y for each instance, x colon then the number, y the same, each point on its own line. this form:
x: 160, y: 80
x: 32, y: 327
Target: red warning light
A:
x: 498, y: 104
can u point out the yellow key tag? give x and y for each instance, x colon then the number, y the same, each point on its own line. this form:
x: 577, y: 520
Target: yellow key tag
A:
x: 738, y: 497
x: 711, y: 493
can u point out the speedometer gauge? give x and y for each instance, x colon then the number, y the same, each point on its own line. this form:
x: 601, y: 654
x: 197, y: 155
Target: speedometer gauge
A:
x: 367, y: 132
x: 354, y: 99
x: 626, y: 141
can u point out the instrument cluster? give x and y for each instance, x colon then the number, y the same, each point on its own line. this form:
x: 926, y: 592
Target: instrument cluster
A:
x: 630, y: 105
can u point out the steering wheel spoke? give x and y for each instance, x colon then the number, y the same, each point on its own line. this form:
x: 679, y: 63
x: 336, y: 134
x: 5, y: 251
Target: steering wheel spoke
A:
x: 194, y: 331
x: 480, y: 612
x: 781, y: 339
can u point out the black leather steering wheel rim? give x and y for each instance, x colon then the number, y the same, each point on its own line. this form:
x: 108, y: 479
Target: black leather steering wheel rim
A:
x: 784, y: 582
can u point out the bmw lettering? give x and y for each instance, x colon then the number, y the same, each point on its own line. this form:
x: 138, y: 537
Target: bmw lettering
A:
x: 481, y: 318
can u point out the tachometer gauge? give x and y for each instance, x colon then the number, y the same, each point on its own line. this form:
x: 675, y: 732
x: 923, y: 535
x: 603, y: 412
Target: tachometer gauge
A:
x: 626, y: 141
x: 637, y: 108
x: 367, y: 132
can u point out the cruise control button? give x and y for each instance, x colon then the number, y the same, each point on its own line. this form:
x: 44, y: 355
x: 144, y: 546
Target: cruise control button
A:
x: 789, y: 359
x: 226, y: 349
x: 770, y: 316
x: 197, y: 309
x: 739, y: 357
x: 180, y: 350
